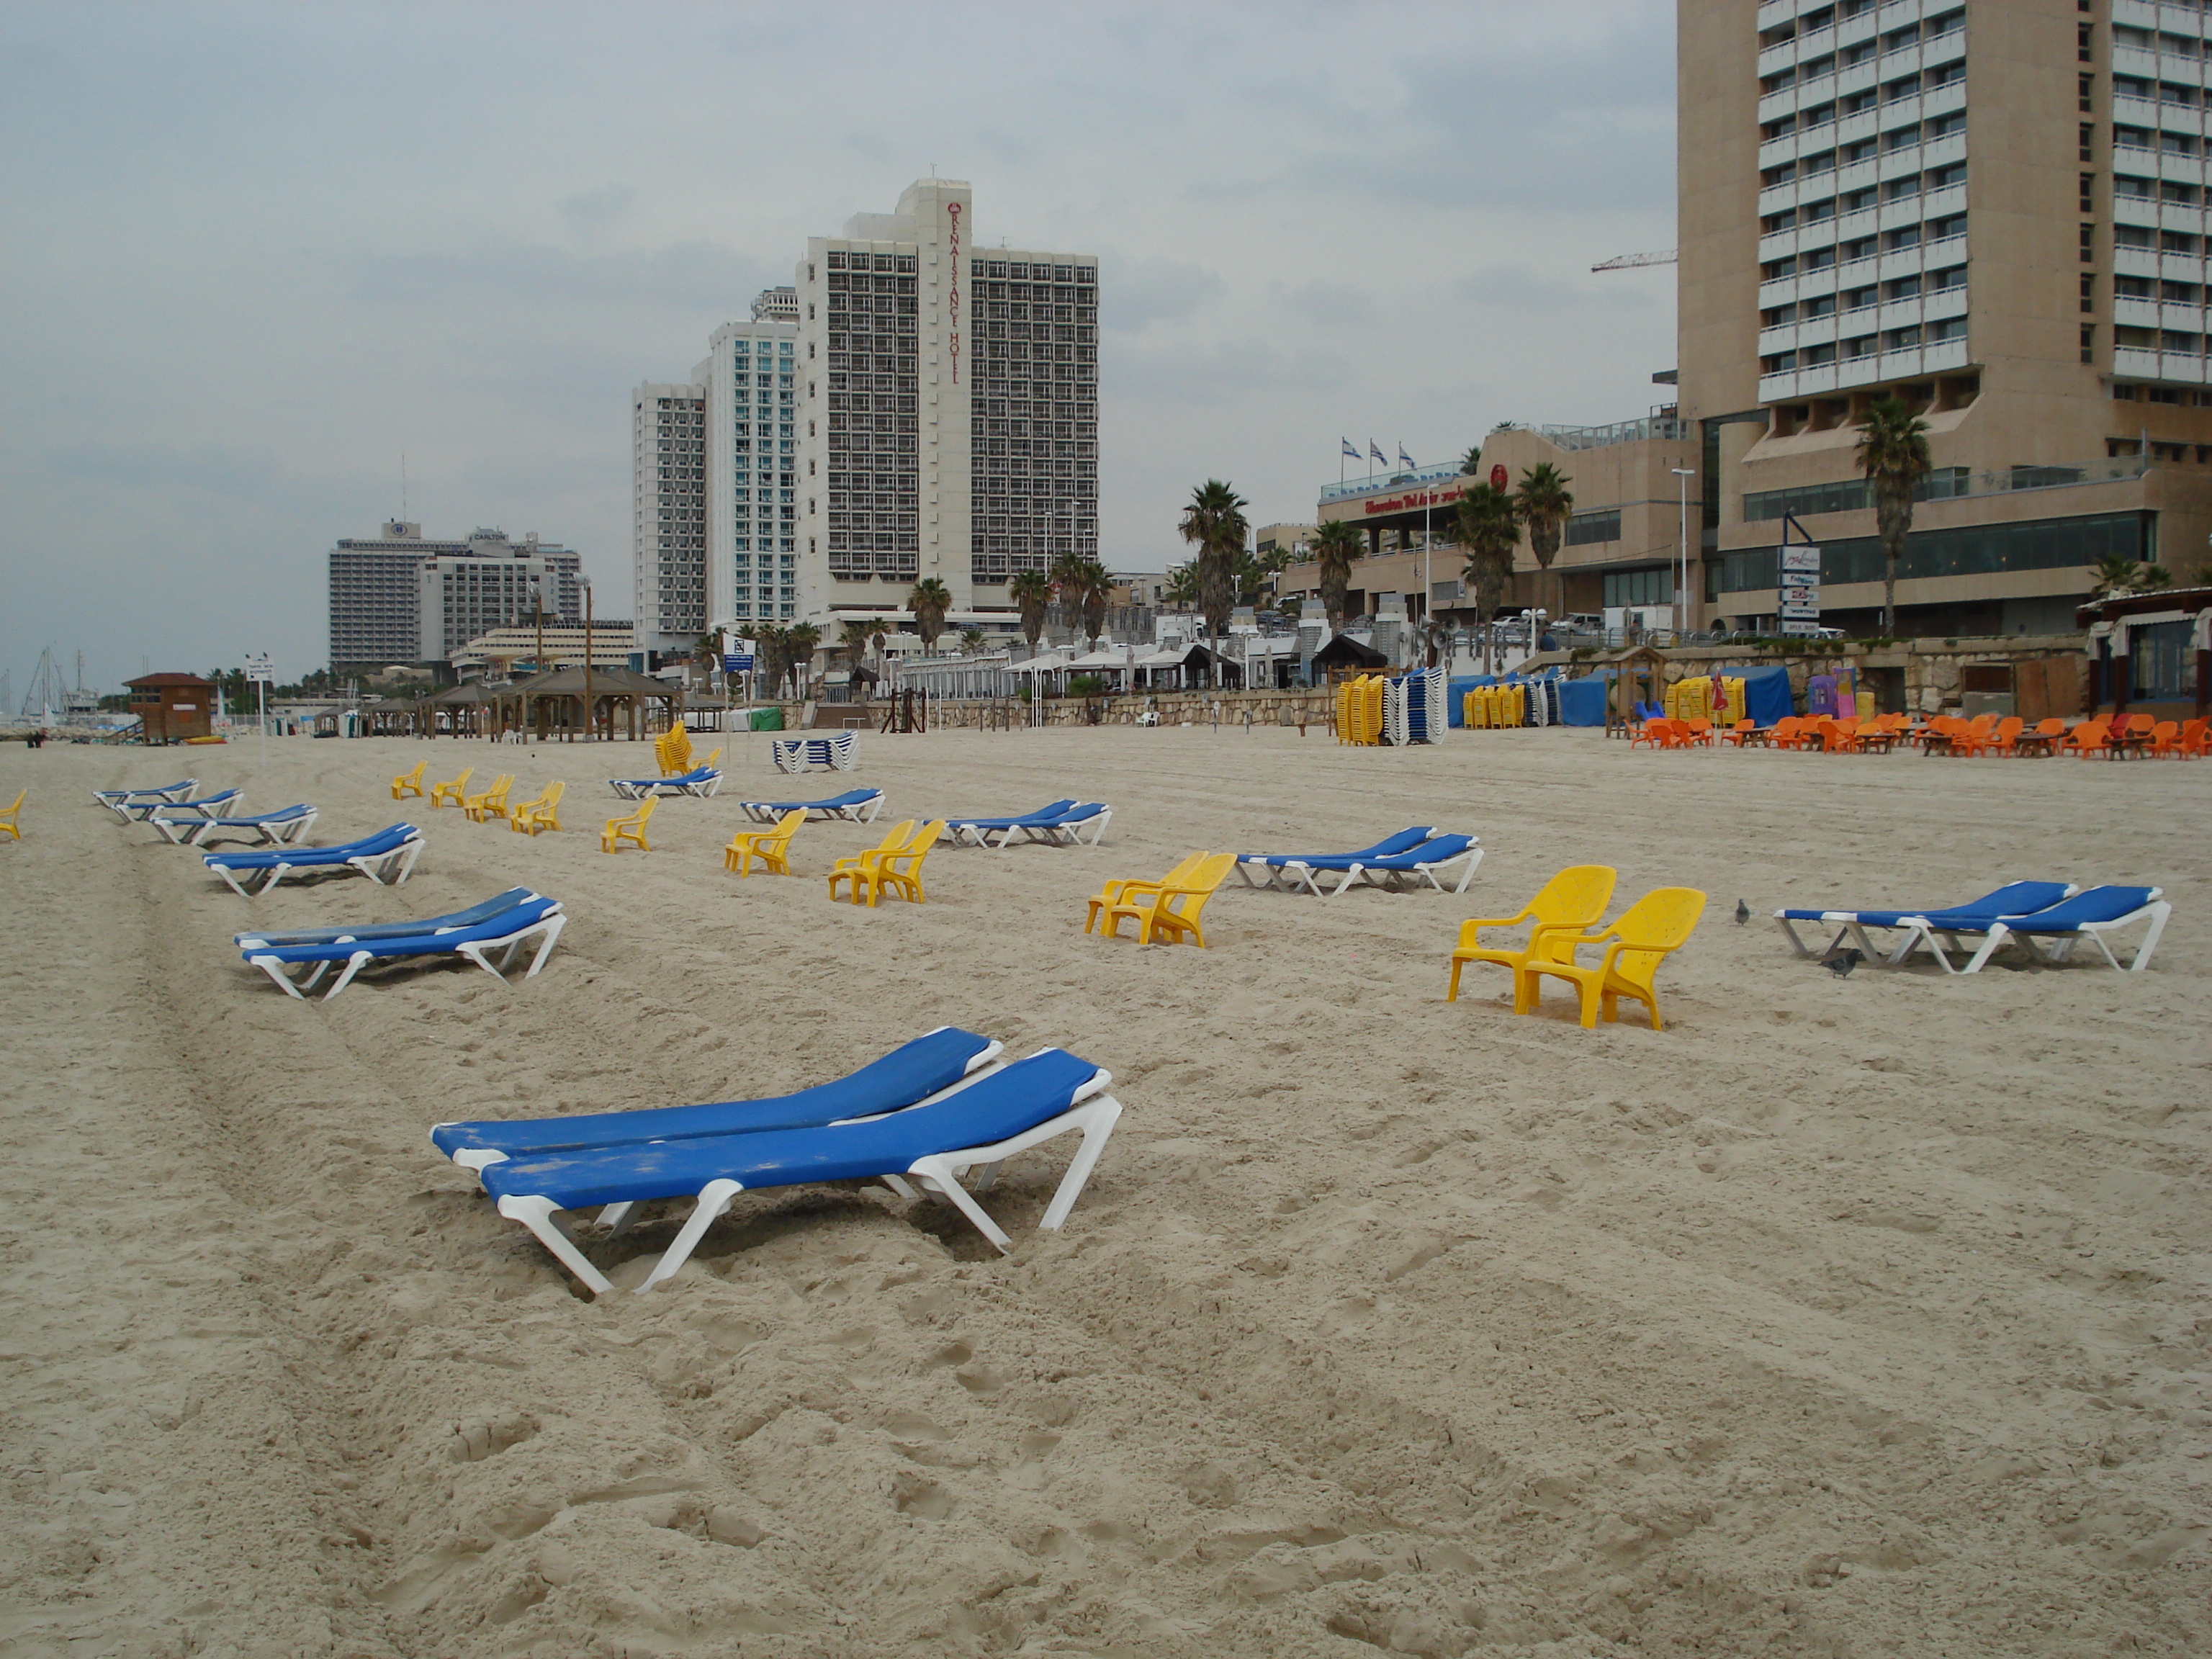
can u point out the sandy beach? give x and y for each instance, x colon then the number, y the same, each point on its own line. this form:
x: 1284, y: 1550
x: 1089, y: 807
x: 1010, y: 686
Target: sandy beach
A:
x: 1844, y: 1318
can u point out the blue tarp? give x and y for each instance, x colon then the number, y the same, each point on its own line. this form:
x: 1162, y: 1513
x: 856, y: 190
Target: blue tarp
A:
x: 1582, y: 702
x: 1767, y: 695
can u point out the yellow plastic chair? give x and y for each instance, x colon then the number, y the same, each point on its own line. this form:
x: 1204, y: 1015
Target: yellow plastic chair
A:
x: 848, y: 869
x: 674, y: 749
x: 542, y: 813
x: 8, y: 824
x: 409, y: 783
x: 771, y: 847
x: 451, y: 790
x: 630, y: 830
x: 1123, y: 892
x: 1172, y: 912
x: 489, y: 803
x: 1571, y: 902
x: 901, y: 872
x: 1635, y: 943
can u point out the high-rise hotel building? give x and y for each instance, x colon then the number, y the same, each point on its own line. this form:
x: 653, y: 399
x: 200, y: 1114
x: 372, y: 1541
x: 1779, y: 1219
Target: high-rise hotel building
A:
x: 951, y: 408
x: 914, y: 405
x: 668, y: 513
x: 1994, y: 209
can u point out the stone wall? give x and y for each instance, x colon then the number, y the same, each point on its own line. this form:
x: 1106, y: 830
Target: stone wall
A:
x: 1931, y: 667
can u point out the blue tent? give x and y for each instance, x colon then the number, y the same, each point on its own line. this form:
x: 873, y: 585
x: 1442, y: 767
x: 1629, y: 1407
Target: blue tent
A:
x: 1767, y: 695
x: 1582, y: 702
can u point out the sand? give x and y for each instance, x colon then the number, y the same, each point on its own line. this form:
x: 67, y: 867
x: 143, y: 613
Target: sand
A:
x: 1843, y: 1318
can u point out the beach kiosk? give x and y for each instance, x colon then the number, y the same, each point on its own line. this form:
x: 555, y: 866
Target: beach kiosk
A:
x: 1636, y: 675
x: 173, y: 707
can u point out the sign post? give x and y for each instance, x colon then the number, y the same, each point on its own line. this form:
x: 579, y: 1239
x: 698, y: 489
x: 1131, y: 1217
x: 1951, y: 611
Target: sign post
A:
x: 258, y: 670
x: 1799, y: 609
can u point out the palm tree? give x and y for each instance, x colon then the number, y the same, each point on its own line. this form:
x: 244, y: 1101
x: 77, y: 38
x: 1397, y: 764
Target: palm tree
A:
x: 1489, y: 529
x: 798, y: 644
x: 1083, y: 584
x: 1031, y: 590
x: 1470, y: 466
x: 769, y: 640
x: 971, y: 641
x: 1893, y: 454
x: 929, y: 600
x: 852, y: 640
x: 1214, y: 522
x: 1544, y: 502
x: 1182, y: 584
x: 1335, y: 545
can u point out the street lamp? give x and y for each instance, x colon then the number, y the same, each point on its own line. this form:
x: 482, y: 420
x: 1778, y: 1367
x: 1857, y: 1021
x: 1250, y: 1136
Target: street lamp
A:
x: 1682, y: 585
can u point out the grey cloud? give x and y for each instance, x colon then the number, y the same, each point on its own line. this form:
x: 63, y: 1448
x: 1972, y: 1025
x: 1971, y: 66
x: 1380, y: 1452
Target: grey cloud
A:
x: 594, y: 209
x: 1329, y: 304
x: 208, y: 467
x: 1519, y: 287
x: 1138, y: 293
x: 690, y: 273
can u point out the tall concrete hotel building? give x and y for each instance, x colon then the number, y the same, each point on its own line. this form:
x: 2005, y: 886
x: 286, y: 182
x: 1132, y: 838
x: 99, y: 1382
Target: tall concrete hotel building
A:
x: 915, y: 405
x: 1994, y: 209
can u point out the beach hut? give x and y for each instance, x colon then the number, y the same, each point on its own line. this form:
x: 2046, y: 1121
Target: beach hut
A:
x: 1638, y: 674
x: 1344, y: 656
x: 173, y: 707
x: 554, y: 701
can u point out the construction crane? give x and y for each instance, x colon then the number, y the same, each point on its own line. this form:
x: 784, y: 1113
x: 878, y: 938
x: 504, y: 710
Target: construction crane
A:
x: 1635, y: 261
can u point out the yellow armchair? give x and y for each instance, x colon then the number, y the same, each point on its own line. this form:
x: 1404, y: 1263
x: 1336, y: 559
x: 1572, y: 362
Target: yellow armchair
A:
x: 1571, y: 901
x: 1635, y: 943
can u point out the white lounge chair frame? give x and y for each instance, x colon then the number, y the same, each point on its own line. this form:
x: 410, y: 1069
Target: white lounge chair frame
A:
x: 269, y: 829
x: 641, y: 788
x: 1304, y: 875
x: 1094, y: 1114
x: 116, y: 800
x: 479, y: 952
x: 379, y: 867
x: 208, y: 806
x: 1052, y: 834
x: 2053, y: 950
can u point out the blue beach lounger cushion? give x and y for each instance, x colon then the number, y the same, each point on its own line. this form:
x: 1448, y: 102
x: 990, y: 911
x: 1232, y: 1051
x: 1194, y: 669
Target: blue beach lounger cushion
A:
x: 506, y: 933
x: 927, y: 1147
x: 390, y: 850
x: 2088, y: 914
x: 855, y: 805
x: 2014, y: 898
x: 914, y: 1072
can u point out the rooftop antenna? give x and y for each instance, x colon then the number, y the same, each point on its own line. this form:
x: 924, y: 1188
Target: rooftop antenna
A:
x: 403, y: 486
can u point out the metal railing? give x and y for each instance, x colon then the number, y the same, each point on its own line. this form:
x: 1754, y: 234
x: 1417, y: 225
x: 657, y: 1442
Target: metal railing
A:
x: 1620, y: 431
x: 1375, y: 481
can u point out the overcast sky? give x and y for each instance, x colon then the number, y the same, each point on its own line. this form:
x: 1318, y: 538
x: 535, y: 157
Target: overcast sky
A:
x: 252, y: 253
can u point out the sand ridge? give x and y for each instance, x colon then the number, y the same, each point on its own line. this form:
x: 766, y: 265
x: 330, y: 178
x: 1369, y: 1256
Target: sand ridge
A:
x: 1845, y: 1316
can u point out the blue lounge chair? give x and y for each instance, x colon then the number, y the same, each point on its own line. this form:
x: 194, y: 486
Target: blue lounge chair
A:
x: 929, y: 1146
x: 976, y: 829
x: 1061, y: 830
x: 277, y: 829
x: 207, y: 806
x: 512, y: 897
x: 2089, y: 915
x: 506, y: 933
x: 700, y: 781
x: 1294, y: 870
x: 855, y: 805
x: 1398, y: 870
x: 2014, y: 898
x: 115, y: 799
x: 911, y: 1073
x: 388, y: 857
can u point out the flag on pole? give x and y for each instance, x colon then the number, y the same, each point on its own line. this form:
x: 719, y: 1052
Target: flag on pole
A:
x: 1376, y: 450
x: 1350, y: 447
x: 1404, y: 459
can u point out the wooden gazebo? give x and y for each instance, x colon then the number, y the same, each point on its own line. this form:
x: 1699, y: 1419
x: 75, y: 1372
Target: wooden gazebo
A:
x: 460, y: 711
x: 1638, y: 674
x: 1344, y: 656
x: 556, y: 702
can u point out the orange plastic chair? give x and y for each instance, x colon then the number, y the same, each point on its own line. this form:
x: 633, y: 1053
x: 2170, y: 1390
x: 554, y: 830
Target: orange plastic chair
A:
x: 2005, y: 740
x: 1789, y: 732
x: 2193, y: 739
x: 2165, y: 740
x: 1571, y: 902
x: 1652, y: 732
x: 1742, y: 733
x: 1700, y: 733
x: 2045, y: 738
x: 2090, y: 738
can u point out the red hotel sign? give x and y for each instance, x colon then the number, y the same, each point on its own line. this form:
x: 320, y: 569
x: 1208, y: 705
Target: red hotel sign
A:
x: 1413, y: 501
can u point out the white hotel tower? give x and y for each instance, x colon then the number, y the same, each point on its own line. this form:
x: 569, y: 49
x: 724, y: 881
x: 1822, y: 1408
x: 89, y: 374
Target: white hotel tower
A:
x: 951, y: 408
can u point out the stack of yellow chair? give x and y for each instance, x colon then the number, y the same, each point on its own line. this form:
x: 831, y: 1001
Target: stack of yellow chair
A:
x: 672, y: 749
x: 1359, y: 709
